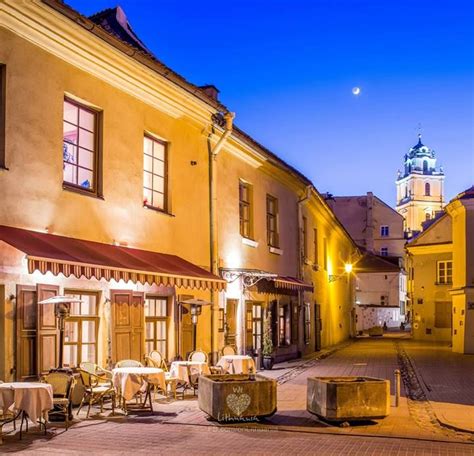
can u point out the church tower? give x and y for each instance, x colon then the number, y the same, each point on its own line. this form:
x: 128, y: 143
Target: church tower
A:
x: 420, y: 187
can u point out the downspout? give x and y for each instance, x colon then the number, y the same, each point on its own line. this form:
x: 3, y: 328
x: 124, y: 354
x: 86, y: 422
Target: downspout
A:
x: 301, y: 201
x: 213, y: 152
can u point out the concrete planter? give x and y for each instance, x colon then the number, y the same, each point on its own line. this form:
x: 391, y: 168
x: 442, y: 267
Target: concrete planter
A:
x: 236, y: 397
x: 348, y: 398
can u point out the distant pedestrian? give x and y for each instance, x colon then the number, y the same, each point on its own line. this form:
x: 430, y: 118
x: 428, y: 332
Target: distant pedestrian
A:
x: 385, y: 326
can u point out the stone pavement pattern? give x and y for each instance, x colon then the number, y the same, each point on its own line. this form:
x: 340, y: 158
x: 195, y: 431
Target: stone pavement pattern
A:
x: 179, y: 427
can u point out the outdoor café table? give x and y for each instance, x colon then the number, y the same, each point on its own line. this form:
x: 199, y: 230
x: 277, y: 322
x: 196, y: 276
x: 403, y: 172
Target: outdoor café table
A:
x: 26, y: 399
x: 179, y: 369
x: 236, y: 364
x: 131, y: 380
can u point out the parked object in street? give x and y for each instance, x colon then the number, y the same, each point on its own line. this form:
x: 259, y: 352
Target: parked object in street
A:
x: 376, y: 331
x: 231, y: 398
x: 348, y: 398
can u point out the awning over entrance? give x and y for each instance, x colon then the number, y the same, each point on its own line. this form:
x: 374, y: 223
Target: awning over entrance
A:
x: 290, y: 283
x: 266, y: 282
x: 77, y: 257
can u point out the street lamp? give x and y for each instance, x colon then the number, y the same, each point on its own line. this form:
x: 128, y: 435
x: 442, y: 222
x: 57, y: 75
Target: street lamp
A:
x: 347, y: 270
x: 61, y: 311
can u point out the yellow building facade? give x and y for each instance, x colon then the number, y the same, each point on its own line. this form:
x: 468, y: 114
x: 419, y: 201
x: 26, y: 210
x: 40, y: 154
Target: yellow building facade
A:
x: 441, y: 276
x: 119, y: 186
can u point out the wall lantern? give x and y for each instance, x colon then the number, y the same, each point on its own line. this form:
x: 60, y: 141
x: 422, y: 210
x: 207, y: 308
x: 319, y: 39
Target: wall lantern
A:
x: 347, y: 271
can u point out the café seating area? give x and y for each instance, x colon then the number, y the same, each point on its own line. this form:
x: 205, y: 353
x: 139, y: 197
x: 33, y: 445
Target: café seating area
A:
x: 130, y: 387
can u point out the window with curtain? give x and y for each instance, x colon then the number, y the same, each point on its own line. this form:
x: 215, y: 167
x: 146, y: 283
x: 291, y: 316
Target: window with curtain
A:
x: 156, y: 324
x: 80, y: 147
x: 81, y: 329
x: 155, y: 170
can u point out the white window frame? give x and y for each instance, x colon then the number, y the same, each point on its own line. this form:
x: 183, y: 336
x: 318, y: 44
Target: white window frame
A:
x: 384, y: 230
x: 442, y: 276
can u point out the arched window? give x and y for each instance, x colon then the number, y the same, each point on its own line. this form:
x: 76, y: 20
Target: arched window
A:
x: 425, y: 166
x: 427, y: 189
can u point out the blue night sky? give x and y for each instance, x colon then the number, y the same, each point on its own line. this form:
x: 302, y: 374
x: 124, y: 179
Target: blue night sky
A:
x: 287, y: 69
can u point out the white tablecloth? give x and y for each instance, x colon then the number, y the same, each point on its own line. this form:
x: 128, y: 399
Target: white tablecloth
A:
x: 236, y: 364
x: 130, y: 380
x: 179, y: 369
x: 33, y: 398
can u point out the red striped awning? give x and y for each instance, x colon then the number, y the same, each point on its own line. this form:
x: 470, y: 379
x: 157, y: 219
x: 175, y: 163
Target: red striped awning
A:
x: 80, y: 258
x: 291, y: 283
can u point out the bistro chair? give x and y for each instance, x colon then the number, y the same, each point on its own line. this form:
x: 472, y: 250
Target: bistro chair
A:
x: 198, y: 356
x: 158, y: 359
x: 170, y: 381
x: 228, y: 350
x: 193, y: 378
x: 62, y: 384
x: 96, y: 388
x: 129, y: 363
x: 6, y: 416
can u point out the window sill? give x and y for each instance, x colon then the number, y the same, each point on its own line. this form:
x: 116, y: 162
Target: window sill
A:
x: 160, y: 211
x: 81, y: 191
x: 249, y: 242
x: 444, y: 283
x: 275, y: 250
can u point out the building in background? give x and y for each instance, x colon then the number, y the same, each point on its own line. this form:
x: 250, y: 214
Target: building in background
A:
x: 380, y: 292
x: 420, y: 188
x: 380, y: 275
x: 441, y: 276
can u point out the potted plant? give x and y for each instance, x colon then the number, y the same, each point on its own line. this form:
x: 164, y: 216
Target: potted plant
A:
x: 267, y: 352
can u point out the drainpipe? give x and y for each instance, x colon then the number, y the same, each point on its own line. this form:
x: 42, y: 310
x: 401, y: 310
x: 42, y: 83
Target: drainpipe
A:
x: 300, y: 203
x: 213, y: 152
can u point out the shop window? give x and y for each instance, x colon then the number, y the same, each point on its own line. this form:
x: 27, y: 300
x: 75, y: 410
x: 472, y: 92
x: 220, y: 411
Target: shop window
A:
x: 257, y: 326
x: 307, y: 323
x: 384, y: 230
x: 80, y: 148
x: 272, y: 221
x: 445, y: 272
x: 81, y: 329
x: 156, y: 324
x: 245, y: 209
x: 284, y: 325
x: 155, y: 171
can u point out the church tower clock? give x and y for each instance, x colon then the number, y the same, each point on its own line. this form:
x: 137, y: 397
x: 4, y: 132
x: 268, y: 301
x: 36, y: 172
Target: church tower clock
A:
x: 420, y: 187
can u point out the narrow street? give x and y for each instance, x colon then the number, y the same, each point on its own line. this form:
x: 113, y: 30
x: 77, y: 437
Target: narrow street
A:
x: 179, y: 427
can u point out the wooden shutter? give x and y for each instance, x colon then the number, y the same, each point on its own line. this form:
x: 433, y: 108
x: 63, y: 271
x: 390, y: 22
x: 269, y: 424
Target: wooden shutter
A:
x: 128, y: 325
x: 47, y: 336
x: 26, y: 315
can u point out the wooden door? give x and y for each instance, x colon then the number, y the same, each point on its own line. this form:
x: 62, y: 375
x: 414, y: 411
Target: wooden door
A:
x: 128, y: 325
x: 185, y: 327
x: 231, y: 322
x: 47, y: 335
x: 26, y: 315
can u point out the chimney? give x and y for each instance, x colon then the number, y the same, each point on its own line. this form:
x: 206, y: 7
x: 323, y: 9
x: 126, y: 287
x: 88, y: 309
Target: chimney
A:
x: 211, y: 91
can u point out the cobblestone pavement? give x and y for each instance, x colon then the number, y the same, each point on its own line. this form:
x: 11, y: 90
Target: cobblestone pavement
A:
x: 179, y: 427
x: 147, y: 436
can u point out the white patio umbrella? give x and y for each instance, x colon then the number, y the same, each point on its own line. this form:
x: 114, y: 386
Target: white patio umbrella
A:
x: 62, y: 312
